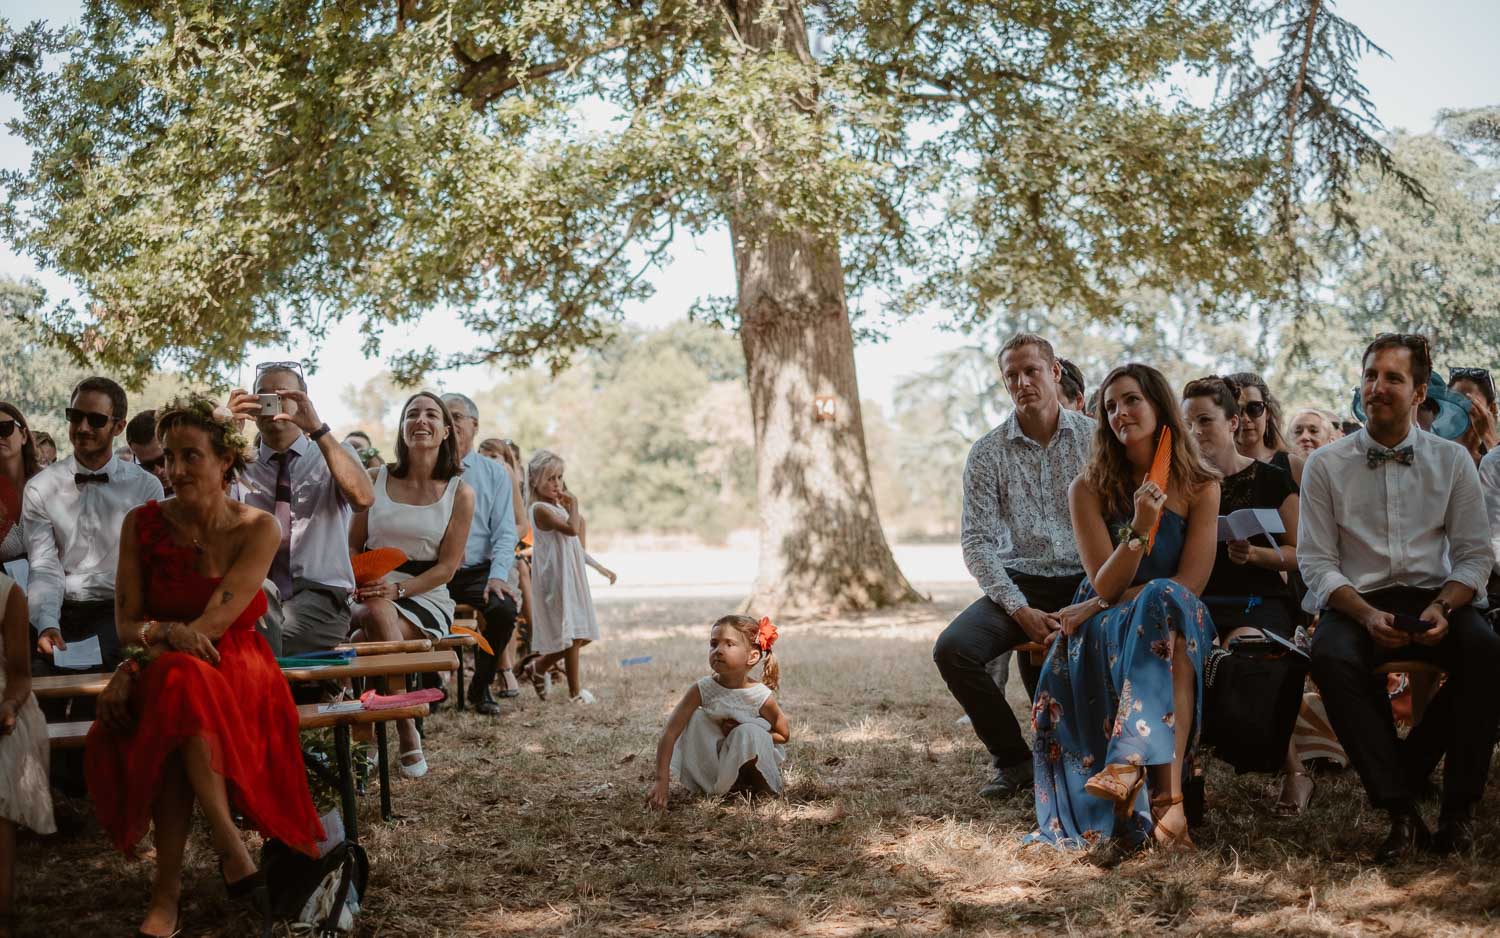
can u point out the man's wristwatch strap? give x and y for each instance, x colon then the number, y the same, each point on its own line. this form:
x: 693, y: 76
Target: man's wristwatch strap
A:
x: 319, y: 433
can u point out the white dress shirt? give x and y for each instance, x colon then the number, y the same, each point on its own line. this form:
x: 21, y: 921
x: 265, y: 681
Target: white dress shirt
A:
x: 1489, y: 484
x: 73, y: 533
x: 1418, y: 526
x: 320, y: 513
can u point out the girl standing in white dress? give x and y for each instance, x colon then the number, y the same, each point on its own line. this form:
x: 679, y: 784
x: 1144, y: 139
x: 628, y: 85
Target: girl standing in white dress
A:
x: 24, y: 795
x: 422, y: 508
x: 727, y: 733
x: 563, y: 619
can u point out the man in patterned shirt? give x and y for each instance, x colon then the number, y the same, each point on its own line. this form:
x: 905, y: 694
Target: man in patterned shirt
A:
x: 1018, y: 542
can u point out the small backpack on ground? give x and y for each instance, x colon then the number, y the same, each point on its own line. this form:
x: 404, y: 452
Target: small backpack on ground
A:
x: 321, y: 896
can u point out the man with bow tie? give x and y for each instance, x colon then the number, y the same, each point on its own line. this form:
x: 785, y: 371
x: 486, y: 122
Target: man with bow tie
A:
x: 1393, y: 542
x: 71, y: 513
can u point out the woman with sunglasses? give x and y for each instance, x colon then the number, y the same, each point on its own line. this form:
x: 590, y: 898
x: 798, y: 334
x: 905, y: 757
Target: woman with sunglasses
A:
x: 1477, y: 386
x: 1259, y: 435
x: 18, y: 463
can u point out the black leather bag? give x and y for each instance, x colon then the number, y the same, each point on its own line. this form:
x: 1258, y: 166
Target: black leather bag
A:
x: 1252, y: 694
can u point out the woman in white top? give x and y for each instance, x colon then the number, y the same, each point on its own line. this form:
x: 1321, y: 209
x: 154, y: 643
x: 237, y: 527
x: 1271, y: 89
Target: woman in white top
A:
x: 423, y: 509
x: 562, y: 620
x: 24, y: 795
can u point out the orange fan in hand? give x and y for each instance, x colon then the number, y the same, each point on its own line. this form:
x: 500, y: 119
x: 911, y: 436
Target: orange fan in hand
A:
x: 1161, y: 468
x: 372, y: 565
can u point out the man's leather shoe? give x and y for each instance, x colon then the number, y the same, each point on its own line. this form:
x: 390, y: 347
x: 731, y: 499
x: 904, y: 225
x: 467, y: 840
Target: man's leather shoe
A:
x: 1008, y: 781
x: 1455, y: 834
x: 484, y: 703
x: 1408, y: 835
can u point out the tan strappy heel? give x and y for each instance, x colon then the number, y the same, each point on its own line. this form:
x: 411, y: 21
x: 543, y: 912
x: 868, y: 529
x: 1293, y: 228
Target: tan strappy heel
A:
x: 1174, y: 839
x: 1118, y: 783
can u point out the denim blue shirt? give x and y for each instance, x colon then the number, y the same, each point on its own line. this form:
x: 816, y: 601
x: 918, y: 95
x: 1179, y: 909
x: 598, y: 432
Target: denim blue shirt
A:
x: 492, y: 536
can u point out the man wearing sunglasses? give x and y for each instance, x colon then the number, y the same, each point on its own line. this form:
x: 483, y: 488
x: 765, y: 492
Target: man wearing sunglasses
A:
x: 140, y: 436
x: 72, y: 512
x: 312, y: 484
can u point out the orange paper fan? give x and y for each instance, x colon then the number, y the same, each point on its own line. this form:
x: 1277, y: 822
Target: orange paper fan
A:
x: 1161, y: 468
x: 483, y: 645
x: 372, y: 565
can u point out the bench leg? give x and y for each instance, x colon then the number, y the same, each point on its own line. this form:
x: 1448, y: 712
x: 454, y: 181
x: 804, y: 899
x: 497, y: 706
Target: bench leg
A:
x: 460, y: 703
x: 346, y: 781
x: 382, y: 753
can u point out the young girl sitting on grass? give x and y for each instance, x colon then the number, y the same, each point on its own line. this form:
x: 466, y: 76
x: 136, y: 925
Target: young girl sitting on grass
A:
x: 727, y: 732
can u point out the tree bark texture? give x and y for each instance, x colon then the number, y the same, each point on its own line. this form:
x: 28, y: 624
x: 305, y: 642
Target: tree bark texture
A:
x: 821, y: 545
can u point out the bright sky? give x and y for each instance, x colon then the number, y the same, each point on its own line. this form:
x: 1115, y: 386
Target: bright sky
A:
x: 1442, y: 56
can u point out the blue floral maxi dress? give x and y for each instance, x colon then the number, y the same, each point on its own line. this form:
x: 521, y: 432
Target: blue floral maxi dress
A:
x: 1105, y: 698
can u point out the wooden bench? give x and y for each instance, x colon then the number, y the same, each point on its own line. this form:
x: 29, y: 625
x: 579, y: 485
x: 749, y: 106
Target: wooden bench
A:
x: 1036, y: 650
x: 370, y: 667
x: 405, y: 646
x: 309, y: 717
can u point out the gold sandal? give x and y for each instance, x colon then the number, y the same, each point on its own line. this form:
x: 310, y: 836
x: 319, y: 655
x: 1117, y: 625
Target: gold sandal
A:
x: 1118, y: 783
x: 1166, y: 838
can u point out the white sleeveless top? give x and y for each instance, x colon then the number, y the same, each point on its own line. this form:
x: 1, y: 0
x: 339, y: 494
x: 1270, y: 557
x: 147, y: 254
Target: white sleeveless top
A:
x: 417, y: 531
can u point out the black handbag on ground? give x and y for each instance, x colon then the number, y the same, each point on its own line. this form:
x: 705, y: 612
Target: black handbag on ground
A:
x: 324, y: 893
x: 1252, y: 693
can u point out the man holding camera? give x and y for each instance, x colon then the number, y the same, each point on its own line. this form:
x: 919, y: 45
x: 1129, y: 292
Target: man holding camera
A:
x: 313, y: 485
x: 1393, y: 543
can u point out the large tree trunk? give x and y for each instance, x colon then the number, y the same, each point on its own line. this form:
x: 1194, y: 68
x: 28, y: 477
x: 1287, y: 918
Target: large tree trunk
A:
x: 821, y: 545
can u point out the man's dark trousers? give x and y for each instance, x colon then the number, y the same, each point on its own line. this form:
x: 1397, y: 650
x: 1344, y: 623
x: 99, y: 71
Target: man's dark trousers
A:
x: 982, y: 633
x: 1343, y: 659
x: 498, y: 613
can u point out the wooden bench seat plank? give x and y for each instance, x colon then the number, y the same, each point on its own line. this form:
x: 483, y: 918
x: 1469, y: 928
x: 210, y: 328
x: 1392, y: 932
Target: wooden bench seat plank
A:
x: 406, y: 646
x: 309, y: 718
x: 92, y: 685
x: 460, y: 640
x: 378, y: 666
x: 1409, y: 667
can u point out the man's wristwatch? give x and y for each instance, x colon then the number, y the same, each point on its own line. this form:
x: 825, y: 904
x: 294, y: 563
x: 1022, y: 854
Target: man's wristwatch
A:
x: 1443, y: 605
x: 319, y: 433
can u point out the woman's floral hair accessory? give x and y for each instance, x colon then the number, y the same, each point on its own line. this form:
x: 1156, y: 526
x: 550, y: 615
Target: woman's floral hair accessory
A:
x: 765, y: 634
x: 209, y: 411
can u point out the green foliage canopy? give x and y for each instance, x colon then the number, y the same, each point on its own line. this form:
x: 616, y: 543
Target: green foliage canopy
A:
x: 266, y: 167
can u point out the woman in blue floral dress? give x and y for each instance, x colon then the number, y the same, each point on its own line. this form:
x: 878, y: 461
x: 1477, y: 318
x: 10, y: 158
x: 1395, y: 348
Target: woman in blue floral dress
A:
x: 1119, y: 700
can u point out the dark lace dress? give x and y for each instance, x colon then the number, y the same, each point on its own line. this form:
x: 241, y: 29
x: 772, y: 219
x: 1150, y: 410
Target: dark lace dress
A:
x: 1241, y: 595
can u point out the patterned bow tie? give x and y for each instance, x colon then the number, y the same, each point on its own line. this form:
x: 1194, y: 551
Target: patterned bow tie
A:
x: 1374, y: 457
x: 84, y: 478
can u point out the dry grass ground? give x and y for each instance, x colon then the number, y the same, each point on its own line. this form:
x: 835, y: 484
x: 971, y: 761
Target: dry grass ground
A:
x: 534, y: 824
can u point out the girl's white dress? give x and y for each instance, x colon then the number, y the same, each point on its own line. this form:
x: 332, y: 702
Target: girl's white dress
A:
x: 24, y: 795
x: 706, y: 761
x: 562, y: 605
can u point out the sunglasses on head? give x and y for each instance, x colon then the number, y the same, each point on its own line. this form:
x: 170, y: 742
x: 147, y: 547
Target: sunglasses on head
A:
x: 96, y: 421
x: 1254, y: 409
x: 1480, y: 376
x: 7, y: 427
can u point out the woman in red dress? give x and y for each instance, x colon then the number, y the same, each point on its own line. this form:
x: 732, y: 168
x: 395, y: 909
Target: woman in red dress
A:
x: 200, y: 711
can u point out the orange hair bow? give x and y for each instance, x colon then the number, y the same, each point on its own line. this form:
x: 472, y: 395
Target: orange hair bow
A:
x: 765, y: 634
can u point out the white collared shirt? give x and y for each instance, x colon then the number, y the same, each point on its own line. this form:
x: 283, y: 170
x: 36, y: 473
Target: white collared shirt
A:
x: 73, y: 533
x: 1419, y: 525
x: 320, y: 513
x: 1016, y: 505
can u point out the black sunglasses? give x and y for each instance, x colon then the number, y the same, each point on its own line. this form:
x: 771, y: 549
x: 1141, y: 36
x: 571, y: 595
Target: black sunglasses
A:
x: 151, y: 465
x: 1480, y: 376
x: 76, y: 416
x: 7, y: 427
x: 1254, y: 409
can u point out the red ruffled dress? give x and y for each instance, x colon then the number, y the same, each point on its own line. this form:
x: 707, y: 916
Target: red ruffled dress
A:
x: 242, y: 708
